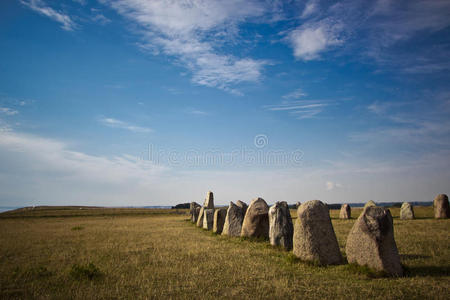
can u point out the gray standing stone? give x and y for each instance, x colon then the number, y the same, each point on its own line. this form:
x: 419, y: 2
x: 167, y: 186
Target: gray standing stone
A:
x: 233, y: 220
x: 370, y: 203
x: 441, y: 207
x: 346, y: 212
x: 201, y: 214
x: 281, y: 229
x: 406, y: 211
x: 314, y: 237
x: 209, y: 201
x: 371, y: 242
x: 242, y: 205
x: 208, y: 219
x: 219, y: 220
x: 193, y: 211
x: 256, y: 220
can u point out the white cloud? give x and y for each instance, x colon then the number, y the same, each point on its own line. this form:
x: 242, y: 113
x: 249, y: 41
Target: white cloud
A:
x: 114, y: 123
x: 40, y: 7
x: 8, y: 111
x: 310, y: 40
x: 193, y: 32
x: 332, y: 185
x: 310, y: 8
x: 298, y: 93
x: 198, y: 112
x: 302, y: 109
x: 100, y: 18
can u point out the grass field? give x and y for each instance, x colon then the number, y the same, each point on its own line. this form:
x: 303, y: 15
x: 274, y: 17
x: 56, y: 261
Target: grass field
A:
x: 142, y: 253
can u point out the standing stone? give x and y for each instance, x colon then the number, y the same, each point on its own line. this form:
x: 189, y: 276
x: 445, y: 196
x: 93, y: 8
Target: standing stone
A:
x: 297, y: 205
x: 208, y: 219
x: 233, y: 220
x: 346, y: 212
x: 314, y: 237
x: 196, y: 214
x: 256, y: 220
x: 209, y: 201
x: 193, y: 211
x: 242, y: 205
x: 441, y: 207
x: 406, y: 211
x: 219, y: 220
x: 201, y: 214
x: 280, y: 225
x: 371, y: 242
x: 370, y: 203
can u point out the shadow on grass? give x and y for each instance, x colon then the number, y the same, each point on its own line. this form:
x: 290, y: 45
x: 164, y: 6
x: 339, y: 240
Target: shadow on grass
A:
x: 413, y: 256
x: 424, y: 271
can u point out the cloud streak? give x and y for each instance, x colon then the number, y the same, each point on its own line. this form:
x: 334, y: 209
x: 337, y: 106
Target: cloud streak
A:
x: 40, y: 7
x: 114, y: 123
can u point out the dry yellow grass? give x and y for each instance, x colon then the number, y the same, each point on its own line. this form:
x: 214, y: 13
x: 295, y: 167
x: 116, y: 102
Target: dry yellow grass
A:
x: 165, y: 256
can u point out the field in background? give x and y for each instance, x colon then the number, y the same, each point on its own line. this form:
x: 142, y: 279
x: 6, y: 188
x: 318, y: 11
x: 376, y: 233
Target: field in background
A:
x: 143, y: 253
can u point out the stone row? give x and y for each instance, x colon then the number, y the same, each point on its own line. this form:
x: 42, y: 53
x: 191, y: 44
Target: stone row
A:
x: 370, y: 241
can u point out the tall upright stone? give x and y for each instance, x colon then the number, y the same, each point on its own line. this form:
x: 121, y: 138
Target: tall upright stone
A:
x: 346, y: 212
x: 370, y: 203
x: 441, y: 207
x: 297, y: 204
x: 208, y: 218
x: 201, y: 214
x: 281, y: 229
x: 233, y: 219
x: 256, y: 220
x: 242, y: 205
x: 406, y: 211
x: 371, y: 242
x: 219, y: 220
x: 193, y: 211
x: 209, y: 201
x: 314, y: 237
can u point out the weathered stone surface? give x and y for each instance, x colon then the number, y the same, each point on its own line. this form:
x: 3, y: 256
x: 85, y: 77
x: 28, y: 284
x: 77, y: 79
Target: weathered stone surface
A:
x: 256, y: 220
x: 406, y: 211
x: 297, y: 205
x: 219, y: 220
x: 193, y: 211
x: 370, y: 203
x: 209, y: 201
x: 208, y: 218
x: 200, y: 217
x: 242, y: 205
x: 281, y: 229
x: 346, y: 212
x: 314, y: 237
x: 233, y: 220
x: 441, y: 207
x: 196, y: 214
x: 371, y: 241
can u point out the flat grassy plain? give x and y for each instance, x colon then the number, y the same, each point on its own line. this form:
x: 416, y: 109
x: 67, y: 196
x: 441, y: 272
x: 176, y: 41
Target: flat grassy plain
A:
x: 96, y: 253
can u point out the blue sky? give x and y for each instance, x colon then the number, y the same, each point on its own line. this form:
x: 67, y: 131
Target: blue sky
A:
x: 133, y: 102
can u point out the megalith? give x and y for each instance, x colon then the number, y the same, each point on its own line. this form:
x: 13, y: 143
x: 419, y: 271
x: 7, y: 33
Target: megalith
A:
x: 233, y: 220
x: 208, y: 218
x: 370, y: 203
x: 201, y: 214
x: 256, y: 220
x: 441, y: 207
x: 219, y: 220
x: 371, y: 242
x: 406, y: 211
x: 346, y: 212
x: 314, y: 237
x: 281, y: 229
x: 209, y: 201
x: 193, y: 211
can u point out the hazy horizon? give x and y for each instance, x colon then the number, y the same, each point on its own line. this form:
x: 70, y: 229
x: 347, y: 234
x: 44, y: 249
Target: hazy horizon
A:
x: 154, y: 103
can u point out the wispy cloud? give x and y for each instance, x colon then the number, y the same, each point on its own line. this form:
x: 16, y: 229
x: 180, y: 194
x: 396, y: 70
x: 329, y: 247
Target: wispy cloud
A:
x: 311, y: 7
x: 8, y: 111
x: 197, y: 112
x: 330, y: 185
x: 114, y: 123
x: 303, y: 109
x: 298, y: 93
x: 42, y: 8
x: 193, y: 33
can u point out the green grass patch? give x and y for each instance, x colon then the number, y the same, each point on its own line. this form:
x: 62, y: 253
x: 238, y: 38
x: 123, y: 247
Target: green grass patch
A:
x: 365, y: 271
x: 75, y: 228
